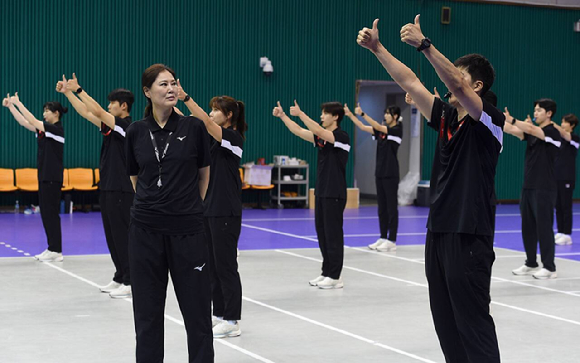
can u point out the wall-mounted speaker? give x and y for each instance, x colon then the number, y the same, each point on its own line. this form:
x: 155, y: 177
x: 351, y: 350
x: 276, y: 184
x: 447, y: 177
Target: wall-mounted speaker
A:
x: 445, y: 15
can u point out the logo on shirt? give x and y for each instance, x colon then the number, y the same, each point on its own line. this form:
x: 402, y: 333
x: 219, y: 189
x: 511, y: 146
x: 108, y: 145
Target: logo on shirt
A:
x: 181, y: 139
x: 199, y: 268
x: 321, y: 142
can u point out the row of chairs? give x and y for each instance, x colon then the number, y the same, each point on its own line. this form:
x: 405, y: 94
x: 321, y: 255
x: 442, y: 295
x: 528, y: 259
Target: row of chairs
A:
x: 26, y: 179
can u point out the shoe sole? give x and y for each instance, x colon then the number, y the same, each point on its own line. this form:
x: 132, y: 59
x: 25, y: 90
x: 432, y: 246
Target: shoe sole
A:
x: 524, y: 274
x: 387, y: 250
x: 331, y: 287
x: 56, y: 260
x: 230, y: 335
x: 120, y: 297
x: 546, y: 277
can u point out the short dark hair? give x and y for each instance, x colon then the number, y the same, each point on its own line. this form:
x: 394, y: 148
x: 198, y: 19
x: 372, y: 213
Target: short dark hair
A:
x: 479, y: 68
x: 335, y: 109
x: 490, y: 97
x: 393, y: 110
x: 122, y: 95
x: 571, y: 119
x: 55, y: 106
x: 547, y: 104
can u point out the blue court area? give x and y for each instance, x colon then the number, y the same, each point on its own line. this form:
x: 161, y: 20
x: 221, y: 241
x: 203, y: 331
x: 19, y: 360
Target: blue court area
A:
x: 263, y: 230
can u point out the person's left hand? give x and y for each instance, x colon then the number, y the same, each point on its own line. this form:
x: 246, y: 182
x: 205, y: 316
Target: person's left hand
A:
x: 295, y: 110
x: 412, y: 34
x: 6, y: 101
x: 14, y: 99
x: 73, y: 84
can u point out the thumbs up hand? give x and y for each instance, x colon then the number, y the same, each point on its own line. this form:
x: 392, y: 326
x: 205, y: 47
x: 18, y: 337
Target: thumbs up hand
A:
x: 295, y: 110
x: 412, y: 34
x: 358, y: 110
x: 278, y: 111
x: 73, y: 84
x: 61, y: 85
x: 369, y: 38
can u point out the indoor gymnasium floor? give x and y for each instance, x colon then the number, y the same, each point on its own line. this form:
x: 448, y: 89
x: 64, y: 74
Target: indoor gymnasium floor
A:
x: 54, y: 312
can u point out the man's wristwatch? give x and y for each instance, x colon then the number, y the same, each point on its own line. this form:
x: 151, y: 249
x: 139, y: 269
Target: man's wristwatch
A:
x: 513, y: 120
x: 79, y: 90
x: 425, y: 43
x: 362, y: 114
x: 187, y: 98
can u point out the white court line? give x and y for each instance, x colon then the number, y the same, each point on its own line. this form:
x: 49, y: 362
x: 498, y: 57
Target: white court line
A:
x: 356, y: 269
x: 366, y: 217
x: 280, y: 233
x: 168, y: 317
x: 341, y: 331
x: 492, y: 302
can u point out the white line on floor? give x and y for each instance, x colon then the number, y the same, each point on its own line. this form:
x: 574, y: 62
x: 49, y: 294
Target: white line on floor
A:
x: 341, y: 331
x: 168, y: 317
x: 493, y: 301
x: 280, y: 233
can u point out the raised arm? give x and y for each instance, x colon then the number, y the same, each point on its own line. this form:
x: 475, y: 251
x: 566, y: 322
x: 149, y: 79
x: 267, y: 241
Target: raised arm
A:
x: 369, y: 38
x: 509, y: 126
x: 524, y: 126
x: 356, y: 121
x: 447, y: 72
x: 92, y: 105
x: 37, y: 124
x: 17, y: 115
x: 374, y: 124
x: 565, y: 134
x: 312, y: 125
x: 78, y: 105
x: 291, y: 125
x: 212, y: 128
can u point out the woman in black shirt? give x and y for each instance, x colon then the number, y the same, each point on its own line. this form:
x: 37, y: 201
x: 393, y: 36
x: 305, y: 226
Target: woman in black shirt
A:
x: 168, y: 162
x: 223, y: 207
x: 50, y: 137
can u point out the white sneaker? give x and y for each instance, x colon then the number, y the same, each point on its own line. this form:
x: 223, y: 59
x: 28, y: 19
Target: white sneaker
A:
x: 387, y: 246
x: 557, y: 235
x: 379, y: 242
x: 215, y: 321
x: 316, y: 281
x: 329, y: 283
x: 226, y: 330
x: 41, y: 254
x: 544, y: 274
x: 122, y: 292
x: 525, y: 270
x: 50, y: 256
x: 113, y: 285
x: 564, y: 240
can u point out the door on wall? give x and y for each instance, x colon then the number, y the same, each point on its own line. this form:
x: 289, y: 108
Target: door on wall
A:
x: 374, y: 97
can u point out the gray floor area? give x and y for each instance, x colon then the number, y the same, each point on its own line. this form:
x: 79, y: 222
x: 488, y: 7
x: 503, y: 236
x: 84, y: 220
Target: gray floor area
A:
x: 54, y: 312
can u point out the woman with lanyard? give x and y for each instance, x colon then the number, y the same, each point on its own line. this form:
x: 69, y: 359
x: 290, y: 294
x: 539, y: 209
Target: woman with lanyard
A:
x: 50, y: 138
x: 388, y: 137
x: 223, y: 207
x: 168, y: 161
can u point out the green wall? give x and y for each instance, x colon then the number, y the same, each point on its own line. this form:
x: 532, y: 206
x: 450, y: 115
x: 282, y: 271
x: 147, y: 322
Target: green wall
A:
x: 215, y: 47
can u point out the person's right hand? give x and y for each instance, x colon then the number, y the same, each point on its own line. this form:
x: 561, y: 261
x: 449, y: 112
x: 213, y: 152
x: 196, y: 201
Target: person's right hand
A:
x: 73, y: 84
x: 369, y: 38
x: 347, y: 110
x: 506, y: 113
x: 6, y: 101
x: 61, y: 85
x: 435, y: 93
x: 358, y: 110
x: 14, y: 99
x: 529, y: 120
x: 278, y: 111
x: 180, y: 92
x: 409, y: 99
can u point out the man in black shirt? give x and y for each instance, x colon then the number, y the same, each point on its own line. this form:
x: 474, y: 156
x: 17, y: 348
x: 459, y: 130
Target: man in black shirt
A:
x: 116, y: 193
x: 333, y: 147
x: 540, y: 189
x: 566, y: 177
x: 459, y: 247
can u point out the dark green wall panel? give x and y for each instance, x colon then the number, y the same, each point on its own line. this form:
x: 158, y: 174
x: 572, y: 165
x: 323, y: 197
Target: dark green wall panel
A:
x: 215, y: 46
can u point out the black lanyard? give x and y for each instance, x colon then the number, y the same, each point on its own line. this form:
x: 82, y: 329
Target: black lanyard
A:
x: 160, y: 157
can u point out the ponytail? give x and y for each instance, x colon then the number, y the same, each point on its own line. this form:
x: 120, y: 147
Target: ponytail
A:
x: 148, y: 108
x: 240, y: 122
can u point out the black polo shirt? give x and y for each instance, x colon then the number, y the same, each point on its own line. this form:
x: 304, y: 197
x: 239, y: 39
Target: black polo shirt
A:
x: 566, y: 161
x: 113, y: 167
x: 387, y: 164
x: 332, y: 158
x: 224, y: 194
x: 540, y: 159
x: 176, y: 207
x: 464, y: 166
x: 50, y: 152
